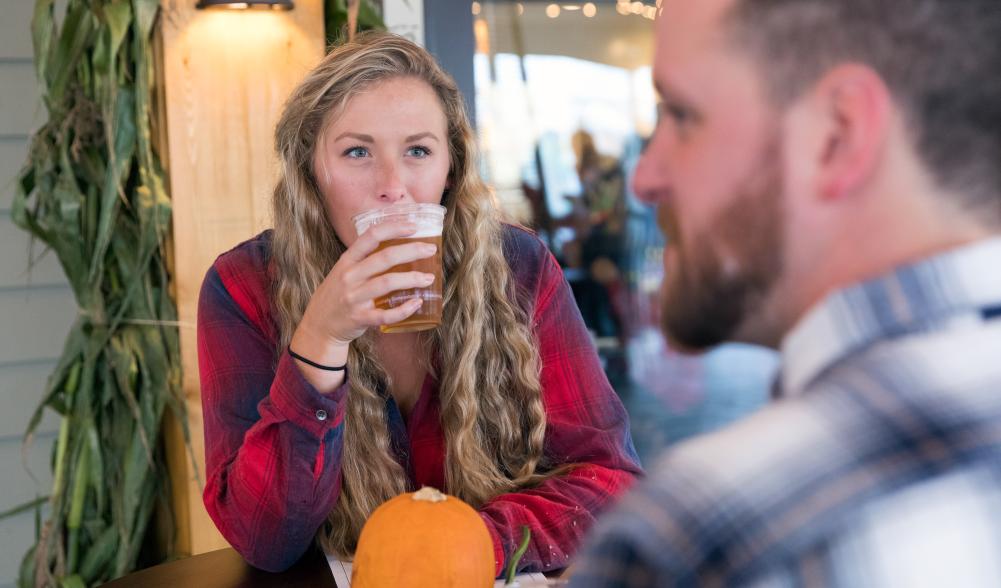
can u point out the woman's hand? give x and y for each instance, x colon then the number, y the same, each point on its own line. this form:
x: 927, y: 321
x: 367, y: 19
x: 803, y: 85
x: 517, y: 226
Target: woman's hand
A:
x: 343, y: 306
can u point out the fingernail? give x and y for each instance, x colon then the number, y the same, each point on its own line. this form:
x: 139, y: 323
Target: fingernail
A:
x: 429, y: 249
x: 428, y: 278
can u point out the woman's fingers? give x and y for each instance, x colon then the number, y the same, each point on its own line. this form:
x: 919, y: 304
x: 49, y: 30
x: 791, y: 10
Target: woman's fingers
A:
x: 386, y: 283
x: 395, y: 315
x: 388, y: 258
x: 369, y: 241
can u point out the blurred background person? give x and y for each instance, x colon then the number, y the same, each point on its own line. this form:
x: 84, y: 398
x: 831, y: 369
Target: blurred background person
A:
x: 564, y: 104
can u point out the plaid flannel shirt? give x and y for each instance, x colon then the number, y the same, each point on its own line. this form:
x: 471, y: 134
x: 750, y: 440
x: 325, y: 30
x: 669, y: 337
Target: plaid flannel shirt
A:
x: 879, y: 463
x: 273, y: 442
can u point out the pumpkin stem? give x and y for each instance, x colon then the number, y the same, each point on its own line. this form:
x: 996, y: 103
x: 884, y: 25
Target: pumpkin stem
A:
x: 512, y: 568
x: 429, y: 494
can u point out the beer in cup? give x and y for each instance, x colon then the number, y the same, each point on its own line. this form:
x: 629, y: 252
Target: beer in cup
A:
x: 429, y: 219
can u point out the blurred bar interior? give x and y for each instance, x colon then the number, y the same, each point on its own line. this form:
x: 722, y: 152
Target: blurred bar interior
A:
x: 564, y: 103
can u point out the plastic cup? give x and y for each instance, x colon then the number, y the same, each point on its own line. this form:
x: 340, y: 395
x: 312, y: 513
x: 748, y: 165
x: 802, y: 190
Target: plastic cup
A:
x: 429, y: 219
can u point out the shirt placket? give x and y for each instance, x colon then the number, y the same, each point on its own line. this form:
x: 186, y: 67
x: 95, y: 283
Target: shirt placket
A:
x: 399, y: 439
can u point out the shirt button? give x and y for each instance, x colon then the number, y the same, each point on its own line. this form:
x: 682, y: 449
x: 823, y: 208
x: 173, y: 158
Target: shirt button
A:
x: 321, y: 415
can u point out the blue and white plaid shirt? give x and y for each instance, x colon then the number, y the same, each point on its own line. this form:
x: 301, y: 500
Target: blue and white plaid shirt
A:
x: 879, y: 464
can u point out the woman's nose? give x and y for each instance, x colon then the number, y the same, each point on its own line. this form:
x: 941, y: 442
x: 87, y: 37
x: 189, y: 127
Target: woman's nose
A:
x: 391, y: 188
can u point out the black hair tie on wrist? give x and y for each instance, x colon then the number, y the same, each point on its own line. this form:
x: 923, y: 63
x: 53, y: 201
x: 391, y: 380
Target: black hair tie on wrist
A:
x: 319, y: 366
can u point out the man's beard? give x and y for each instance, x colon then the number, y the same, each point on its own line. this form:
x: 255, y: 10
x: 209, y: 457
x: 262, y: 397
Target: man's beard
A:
x: 710, y: 296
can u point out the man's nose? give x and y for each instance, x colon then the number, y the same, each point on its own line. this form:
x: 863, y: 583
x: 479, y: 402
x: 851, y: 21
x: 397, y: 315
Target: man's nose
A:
x: 651, y: 174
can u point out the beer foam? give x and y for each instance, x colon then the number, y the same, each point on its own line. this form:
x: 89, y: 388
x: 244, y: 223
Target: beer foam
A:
x: 432, y: 231
x: 424, y: 229
x: 429, y: 223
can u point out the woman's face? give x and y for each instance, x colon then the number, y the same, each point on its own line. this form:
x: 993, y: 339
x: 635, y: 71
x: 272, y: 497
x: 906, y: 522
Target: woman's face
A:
x: 390, y: 145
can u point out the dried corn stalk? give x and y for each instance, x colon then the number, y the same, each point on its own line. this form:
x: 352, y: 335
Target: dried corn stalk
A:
x: 92, y: 191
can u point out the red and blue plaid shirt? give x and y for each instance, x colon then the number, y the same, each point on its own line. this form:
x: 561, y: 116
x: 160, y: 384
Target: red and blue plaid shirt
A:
x: 273, y: 443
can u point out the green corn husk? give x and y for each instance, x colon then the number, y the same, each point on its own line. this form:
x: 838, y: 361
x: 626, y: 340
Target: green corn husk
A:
x: 335, y: 14
x: 93, y: 192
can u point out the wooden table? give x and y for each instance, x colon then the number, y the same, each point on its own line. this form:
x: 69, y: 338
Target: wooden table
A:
x: 225, y: 568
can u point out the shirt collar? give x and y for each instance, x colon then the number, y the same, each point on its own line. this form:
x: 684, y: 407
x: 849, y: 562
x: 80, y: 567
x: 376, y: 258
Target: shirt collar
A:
x: 954, y: 285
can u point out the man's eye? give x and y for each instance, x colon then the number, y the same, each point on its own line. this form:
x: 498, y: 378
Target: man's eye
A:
x: 679, y: 114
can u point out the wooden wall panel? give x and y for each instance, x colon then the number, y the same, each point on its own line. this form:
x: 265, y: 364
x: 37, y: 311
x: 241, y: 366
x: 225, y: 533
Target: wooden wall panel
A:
x: 18, y: 251
x: 226, y: 75
x: 21, y: 109
x: 36, y: 309
x: 15, y: 42
x: 17, y: 534
x: 35, y: 323
x: 22, y: 386
x: 13, y: 151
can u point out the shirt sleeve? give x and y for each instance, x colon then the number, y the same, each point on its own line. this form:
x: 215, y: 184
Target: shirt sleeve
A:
x: 586, y: 426
x: 658, y: 535
x: 272, y: 441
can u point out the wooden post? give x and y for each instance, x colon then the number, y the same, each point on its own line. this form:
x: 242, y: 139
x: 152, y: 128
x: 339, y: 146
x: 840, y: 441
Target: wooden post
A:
x: 225, y: 77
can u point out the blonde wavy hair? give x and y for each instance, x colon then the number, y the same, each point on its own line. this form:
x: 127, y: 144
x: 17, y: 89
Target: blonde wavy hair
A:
x: 491, y: 405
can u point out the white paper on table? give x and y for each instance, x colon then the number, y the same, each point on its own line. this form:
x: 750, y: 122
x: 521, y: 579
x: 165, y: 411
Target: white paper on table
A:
x: 342, y: 574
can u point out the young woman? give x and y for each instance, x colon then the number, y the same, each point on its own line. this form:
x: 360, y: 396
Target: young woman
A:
x: 504, y: 405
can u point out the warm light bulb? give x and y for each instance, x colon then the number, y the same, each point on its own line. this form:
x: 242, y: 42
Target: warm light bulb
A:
x: 590, y: 10
x: 553, y: 10
x: 482, y: 35
x: 622, y: 8
x: 476, y: 8
x: 636, y: 8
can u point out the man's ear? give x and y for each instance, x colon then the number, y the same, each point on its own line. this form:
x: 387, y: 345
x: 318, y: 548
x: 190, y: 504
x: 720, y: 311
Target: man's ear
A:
x: 853, y: 106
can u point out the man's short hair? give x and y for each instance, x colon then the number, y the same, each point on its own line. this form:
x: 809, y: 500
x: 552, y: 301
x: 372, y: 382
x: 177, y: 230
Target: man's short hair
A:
x: 941, y: 60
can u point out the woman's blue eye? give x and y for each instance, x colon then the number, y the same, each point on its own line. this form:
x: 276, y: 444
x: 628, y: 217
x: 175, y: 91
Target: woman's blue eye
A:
x: 356, y: 152
x: 418, y: 151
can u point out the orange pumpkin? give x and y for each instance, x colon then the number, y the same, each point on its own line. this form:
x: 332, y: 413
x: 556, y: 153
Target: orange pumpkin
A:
x: 424, y: 539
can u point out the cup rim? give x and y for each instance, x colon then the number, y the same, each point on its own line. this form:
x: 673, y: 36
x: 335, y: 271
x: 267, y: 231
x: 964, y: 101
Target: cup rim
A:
x: 400, y: 209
